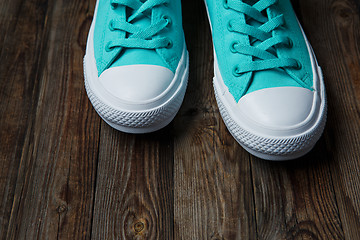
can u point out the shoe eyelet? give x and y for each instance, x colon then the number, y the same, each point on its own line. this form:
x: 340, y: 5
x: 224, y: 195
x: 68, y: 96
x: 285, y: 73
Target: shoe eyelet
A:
x: 108, y: 47
x: 170, y: 44
x: 232, y: 47
x: 168, y: 20
x: 111, y: 26
x: 225, y: 4
x: 236, y: 71
x: 114, y: 6
x: 290, y: 43
x: 230, y: 27
x: 298, y: 65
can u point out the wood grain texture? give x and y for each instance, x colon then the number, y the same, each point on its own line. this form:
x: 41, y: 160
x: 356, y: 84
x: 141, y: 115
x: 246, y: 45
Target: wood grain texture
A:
x: 209, y: 164
x: 55, y: 172
x: 296, y: 200
x: 67, y: 175
x: 134, y: 197
x: 22, y: 42
x: 337, y: 39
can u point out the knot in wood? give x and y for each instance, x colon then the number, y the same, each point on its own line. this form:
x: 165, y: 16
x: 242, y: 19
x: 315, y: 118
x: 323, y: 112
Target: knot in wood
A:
x: 217, y: 236
x: 139, y: 226
x: 62, y: 208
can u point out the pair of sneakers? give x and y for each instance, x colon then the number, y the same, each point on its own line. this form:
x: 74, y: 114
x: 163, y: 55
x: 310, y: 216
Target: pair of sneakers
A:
x: 268, y: 85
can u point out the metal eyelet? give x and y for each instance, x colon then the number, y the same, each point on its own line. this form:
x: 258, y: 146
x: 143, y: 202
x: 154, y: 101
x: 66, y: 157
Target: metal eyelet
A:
x: 230, y: 27
x: 114, y: 6
x: 170, y: 44
x: 111, y: 26
x: 290, y: 43
x: 225, y: 4
x: 168, y: 20
x: 108, y: 47
x: 298, y: 65
x: 232, y: 47
x: 236, y: 71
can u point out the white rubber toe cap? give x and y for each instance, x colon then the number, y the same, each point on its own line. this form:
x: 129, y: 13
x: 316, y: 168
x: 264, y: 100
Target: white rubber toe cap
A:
x: 278, y: 108
x: 136, y: 83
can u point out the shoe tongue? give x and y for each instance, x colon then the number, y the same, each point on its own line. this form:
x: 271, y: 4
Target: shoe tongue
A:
x: 272, y: 77
x: 131, y: 56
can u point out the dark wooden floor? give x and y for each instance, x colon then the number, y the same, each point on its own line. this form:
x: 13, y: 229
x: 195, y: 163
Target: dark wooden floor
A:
x: 65, y: 174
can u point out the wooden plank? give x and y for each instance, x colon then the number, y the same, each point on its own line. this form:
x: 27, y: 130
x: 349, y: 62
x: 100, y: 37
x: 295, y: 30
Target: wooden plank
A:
x: 335, y: 28
x: 21, y: 43
x: 8, y: 13
x: 55, y: 185
x: 188, y: 181
x: 296, y: 200
x: 213, y: 189
x: 134, y: 190
x: 300, y: 199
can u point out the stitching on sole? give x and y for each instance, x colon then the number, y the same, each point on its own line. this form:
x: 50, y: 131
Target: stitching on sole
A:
x: 271, y: 146
x: 143, y: 119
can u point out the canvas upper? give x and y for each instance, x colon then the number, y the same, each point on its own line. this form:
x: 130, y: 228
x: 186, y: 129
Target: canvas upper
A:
x: 138, y: 32
x: 259, y: 45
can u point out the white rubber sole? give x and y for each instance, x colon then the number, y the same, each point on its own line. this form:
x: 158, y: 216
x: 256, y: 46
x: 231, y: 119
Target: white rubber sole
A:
x: 138, y: 121
x: 267, y: 147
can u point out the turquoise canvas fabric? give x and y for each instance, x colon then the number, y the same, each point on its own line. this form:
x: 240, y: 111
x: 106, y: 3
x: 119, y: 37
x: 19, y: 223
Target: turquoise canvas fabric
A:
x: 259, y: 44
x: 129, y: 32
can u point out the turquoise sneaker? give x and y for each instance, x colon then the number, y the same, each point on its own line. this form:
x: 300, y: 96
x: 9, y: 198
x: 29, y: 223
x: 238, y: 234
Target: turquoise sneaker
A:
x: 268, y: 85
x: 136, y: 63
